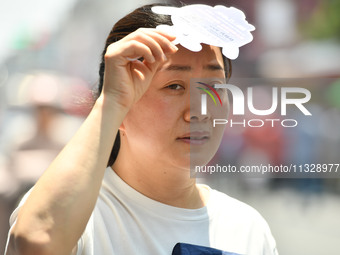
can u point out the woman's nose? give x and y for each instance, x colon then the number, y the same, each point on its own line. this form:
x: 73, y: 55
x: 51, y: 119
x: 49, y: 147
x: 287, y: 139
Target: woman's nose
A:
x: 194, y: 111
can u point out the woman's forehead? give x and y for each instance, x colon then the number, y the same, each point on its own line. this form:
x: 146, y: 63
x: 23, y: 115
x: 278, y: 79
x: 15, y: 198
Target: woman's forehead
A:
x: 208, y: 59
x: 207, y: 54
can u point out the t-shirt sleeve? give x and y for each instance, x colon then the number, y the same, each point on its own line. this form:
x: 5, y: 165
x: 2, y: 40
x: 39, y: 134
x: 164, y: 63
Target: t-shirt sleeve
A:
x: 86, y: 241
x: 14, y: 216
x: 269, y: 243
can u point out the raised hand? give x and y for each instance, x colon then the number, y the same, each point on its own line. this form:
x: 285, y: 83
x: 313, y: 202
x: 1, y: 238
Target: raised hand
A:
x: 131, y: 62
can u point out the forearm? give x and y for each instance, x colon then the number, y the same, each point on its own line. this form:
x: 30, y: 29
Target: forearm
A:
x: 56, y: 212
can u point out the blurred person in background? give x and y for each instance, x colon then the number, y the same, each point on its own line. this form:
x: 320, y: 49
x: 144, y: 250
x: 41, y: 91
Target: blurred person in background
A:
x: 31, y: 154
x: 31, y: 157
x: 138, y: 197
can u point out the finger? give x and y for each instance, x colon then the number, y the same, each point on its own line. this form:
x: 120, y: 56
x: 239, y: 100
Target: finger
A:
x: 141, y: 68
x: 168, y: 35
x: 158, y: 44
x: 154, y: 39
x: 135, y: 50
x: 162, y: 38
x: 151, y: 43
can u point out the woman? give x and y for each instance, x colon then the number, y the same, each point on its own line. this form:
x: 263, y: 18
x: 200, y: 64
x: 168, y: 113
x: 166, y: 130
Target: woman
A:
x: 144, y: 202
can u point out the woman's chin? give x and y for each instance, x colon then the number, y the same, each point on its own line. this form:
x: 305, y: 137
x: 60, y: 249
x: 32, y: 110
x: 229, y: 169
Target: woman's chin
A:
x: 198, y: 160
x: 193, y: 160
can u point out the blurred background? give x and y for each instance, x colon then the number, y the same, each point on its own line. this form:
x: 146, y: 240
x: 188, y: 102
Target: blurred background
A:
x: 49, y: 58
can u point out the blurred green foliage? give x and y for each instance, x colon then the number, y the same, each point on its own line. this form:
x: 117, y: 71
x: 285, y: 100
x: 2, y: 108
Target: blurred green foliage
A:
x: 324, y: 22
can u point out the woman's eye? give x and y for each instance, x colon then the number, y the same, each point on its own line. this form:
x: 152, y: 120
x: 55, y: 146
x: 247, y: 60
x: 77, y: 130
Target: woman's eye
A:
x: 175, y: 87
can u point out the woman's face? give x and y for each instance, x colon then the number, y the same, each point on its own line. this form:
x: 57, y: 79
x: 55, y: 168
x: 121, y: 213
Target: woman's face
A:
x: 166, y: 126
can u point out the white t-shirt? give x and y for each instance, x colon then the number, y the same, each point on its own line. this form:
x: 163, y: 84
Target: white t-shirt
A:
x: 126, y: 222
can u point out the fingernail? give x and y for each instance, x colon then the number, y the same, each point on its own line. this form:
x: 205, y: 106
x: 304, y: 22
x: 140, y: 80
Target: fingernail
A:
x: 164, y: 57
x: 132, y: 59
x: 173, y: 46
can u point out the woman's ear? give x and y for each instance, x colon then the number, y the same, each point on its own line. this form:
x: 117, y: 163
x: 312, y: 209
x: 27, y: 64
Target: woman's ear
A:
x: 121, y: 127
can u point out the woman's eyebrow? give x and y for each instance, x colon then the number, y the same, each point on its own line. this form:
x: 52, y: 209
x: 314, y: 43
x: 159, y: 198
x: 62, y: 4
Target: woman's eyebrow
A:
x: 178, y: 68
x: 211, y: 67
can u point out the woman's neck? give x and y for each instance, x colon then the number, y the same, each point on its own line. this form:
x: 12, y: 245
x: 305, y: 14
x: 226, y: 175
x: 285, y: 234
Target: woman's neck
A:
x: 171, y: 186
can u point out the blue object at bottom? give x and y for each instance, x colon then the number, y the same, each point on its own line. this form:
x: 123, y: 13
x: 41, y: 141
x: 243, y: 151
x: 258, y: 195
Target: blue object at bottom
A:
x: 191, y: 249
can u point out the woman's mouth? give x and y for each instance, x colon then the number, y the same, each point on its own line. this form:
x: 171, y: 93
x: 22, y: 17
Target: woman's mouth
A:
x: 195, y: 138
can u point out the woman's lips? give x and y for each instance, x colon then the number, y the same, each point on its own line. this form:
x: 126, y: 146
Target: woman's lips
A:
x: 195, y: 138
